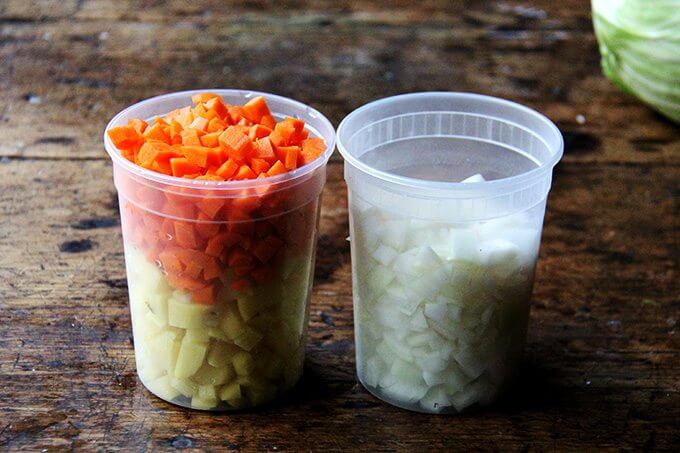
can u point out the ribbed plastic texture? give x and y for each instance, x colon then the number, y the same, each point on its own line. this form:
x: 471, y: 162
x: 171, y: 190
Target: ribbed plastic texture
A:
x: 454, y: 116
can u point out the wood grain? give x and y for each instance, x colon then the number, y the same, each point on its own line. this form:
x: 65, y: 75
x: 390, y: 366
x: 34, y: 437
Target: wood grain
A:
x: 603, y: 357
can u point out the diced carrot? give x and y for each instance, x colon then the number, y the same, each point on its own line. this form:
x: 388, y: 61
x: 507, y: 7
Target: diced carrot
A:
x: 240, y: 258
x: 262, y: 149
x: 299, y: 133
x: 291, y: 157
x: 236, y: 144
x: 162, y: 166
x: 210, y: 206
x: 240, y: 284
x: 181, y: 166
x: 211, y: 139
x: 184, y: 116
x: 161, y: 121
x: 175, y: 132
x: 264, y: 250
x: 297, y: 124
x: 277, y: 169
x: 300, y: 136
x: 193, y: 269
x: 152, y: 223
x: 211, y: 269
x: 311, y: 149
x: 156, y: 132
x: 185, y: 283
x: 259, y: 165
x: 185, y: 235
x: 190, y: 137
x: 206, y: 229
x: 203, y: 97
x: 206, y: 295
x: 197, y: 155
x: 180, y: 209
x: 199, y: 123
x: 170, y: 262
x: 147, y: 154
x: 245, y: 172
x: 217, y: 105
x: 262, y: 274
x: 197, y: 236
x: 124, y: 137
x: 268, y: 121
x: 227, y: 169
x: 138, y: 125
x: 258, y: 131
x: 217, y: 125
x: 216, y: 244
x: 235, y: 113
x: 281, y: 134
x: 280, y: 152
x: 241, y: 271
x: 166, y: 232
x: 243, y: 205
x: 204, y: 112
x: 255, y: 109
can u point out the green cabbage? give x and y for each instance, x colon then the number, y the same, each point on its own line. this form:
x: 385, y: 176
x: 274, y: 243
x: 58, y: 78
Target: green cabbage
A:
x: 640, y: 47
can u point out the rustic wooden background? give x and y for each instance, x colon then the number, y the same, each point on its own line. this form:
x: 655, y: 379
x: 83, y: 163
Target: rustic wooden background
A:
x: 602, y: 364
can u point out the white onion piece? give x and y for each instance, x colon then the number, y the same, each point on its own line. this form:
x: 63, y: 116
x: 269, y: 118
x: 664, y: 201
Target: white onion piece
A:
x: 443, y: 308
x: 474, y: 178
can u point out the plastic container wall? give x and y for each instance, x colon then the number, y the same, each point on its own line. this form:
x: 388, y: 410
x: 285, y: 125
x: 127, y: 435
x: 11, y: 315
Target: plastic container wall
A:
x: 220, y: 273
x: 443, y: 271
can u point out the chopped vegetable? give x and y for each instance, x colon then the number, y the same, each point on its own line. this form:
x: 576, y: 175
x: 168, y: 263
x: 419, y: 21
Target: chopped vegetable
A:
x: 640, y: 47
x: 219, y: 279
x: 212, y: 133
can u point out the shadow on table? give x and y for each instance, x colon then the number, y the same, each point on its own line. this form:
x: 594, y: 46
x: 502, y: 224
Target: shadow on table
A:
x: 536, y: 388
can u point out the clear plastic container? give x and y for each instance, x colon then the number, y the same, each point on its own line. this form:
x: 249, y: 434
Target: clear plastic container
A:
x: 239, y: 340
x: 443, y: 269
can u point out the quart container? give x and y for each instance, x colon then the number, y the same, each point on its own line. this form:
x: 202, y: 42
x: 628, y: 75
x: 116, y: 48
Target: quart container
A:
x: 235, y: 337
x: 442, y: 269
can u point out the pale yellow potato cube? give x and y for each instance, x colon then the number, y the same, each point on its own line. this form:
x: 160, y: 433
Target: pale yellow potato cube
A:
x: 184, y: 386
x: 231, y: 392
x: 190, y: 358
x: 197, y: 335
x: 207, y: 392
x: 243, y: 362
x: 232, y: 324
x: 210, y: 375
x: 164, y: 349
x: 217, y: 333
x: 162, y: 388
x: 203, y: 403
x: 221, y: 354
x: 158, y: 305
x: 248, y: 306
x: 248, y: 338
x: 191, y: 316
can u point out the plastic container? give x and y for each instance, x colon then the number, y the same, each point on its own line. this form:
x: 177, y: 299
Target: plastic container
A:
x: 443, y: 270
x: 239, y: 341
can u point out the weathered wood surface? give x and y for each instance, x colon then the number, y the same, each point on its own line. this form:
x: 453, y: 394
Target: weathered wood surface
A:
x: 603, y: 356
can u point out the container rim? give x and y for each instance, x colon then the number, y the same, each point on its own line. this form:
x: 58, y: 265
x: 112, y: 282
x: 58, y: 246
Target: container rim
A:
x: 245, y: 184
x: 460, y: 187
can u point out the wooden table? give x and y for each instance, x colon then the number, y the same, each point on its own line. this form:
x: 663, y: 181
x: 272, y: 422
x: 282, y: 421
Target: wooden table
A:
x: 602, y: 360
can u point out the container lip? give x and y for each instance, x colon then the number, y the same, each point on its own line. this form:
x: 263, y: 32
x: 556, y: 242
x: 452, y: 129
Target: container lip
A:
x: 443, y: 186
x: 245, y: 184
